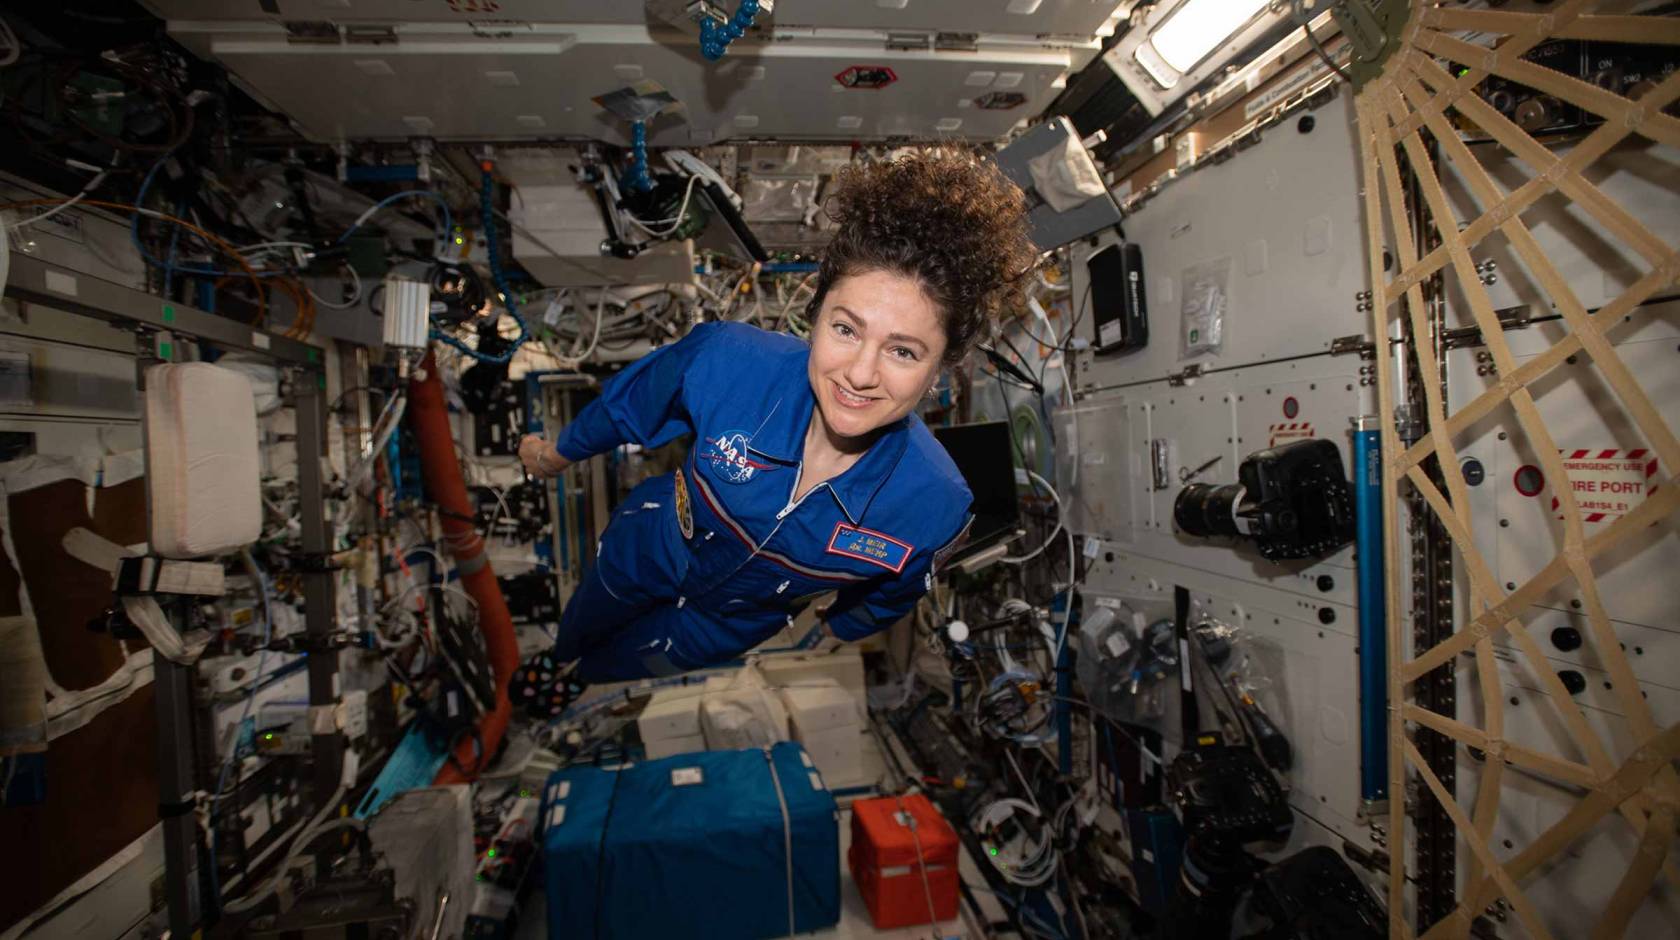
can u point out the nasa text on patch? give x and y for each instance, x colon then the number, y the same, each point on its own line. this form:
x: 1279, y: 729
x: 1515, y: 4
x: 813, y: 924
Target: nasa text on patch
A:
x: 874, y: 547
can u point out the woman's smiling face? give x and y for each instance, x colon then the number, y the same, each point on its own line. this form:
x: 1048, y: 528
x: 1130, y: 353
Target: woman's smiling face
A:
x: 875, y: 351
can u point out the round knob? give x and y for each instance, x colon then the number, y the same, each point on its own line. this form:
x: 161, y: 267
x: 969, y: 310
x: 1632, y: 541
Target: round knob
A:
x: 1573, y: 681
x: 1326, y: 616
x: 1566, y: 638
x: 1326, y: 583
x: 957, y: 631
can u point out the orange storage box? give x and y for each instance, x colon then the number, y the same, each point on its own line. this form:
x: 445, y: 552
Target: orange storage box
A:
x: 883, y: 861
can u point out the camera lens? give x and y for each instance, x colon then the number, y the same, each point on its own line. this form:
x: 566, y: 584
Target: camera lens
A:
x: 1204, y: 510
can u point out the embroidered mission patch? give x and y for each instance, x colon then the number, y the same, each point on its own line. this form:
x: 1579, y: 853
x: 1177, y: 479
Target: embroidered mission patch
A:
x: 685, y: 510
x: 728, y: 455
x: 873, y: 547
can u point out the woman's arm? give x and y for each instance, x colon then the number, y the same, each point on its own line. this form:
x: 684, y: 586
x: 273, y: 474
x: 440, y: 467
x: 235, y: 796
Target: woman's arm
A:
x: 641, y: 405
x: 540, y: 458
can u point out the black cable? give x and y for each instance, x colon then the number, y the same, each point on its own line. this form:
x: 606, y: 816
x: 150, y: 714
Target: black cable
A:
x: 1043, y: 364
x: 333, y: 407
x: 1073, y: 325
x: 1299, y: 11
x: 1001, y: 365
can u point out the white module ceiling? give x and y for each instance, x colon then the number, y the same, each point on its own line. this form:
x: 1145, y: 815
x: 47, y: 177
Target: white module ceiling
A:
x: 528, y: 70
x: 1062, y: 18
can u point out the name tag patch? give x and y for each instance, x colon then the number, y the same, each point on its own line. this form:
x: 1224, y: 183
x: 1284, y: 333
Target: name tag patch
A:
x: 873, y: 547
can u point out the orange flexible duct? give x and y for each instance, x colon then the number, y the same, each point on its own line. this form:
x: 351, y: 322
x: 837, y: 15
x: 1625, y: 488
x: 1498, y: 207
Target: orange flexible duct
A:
x: 429, y: 416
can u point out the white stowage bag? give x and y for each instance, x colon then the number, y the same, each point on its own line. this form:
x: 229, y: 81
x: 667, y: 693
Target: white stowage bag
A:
x: 1065, y: 176
x: 745, y: 712
x: 202, y: 460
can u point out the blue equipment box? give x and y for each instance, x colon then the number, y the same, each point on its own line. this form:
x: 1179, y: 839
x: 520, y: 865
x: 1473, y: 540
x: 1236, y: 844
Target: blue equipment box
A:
x: 692, y: 846
x: 1157, y: 854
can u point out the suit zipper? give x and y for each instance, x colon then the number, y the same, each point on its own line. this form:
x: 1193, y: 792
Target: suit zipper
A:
x: 783, y: 514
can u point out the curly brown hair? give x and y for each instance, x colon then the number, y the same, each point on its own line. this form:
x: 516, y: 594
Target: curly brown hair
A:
x: 945, y: 217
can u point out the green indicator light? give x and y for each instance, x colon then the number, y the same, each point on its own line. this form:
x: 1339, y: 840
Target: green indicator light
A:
x: 993, y: 851
x: 269, y: 736
x: 166, y: 350
x: 313, y: 354
x: 169, y: 313
x: 492, y: 853
x: 321, y: 382
x: 459, y: 240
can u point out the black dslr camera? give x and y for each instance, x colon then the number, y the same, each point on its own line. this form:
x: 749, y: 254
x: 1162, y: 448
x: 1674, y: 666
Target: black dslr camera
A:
x: 1293, y: 500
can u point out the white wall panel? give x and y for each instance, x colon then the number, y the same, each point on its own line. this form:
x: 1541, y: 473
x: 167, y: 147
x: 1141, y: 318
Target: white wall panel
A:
x: 1286, y: 212
x: 1226, y: 415
x: 1314, y: 694
x: 451, y: 82
x: 1027, y: 17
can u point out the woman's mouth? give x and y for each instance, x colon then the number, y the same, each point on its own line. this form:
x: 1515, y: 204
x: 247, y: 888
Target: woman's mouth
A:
x: 849, y: 399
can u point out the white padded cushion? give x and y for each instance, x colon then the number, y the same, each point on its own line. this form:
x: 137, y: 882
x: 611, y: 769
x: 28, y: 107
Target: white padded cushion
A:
x: 201, y: 460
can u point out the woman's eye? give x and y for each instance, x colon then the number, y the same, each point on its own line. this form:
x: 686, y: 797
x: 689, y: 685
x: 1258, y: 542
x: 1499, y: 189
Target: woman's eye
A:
x: 842, y: 329
x: 905, y: 353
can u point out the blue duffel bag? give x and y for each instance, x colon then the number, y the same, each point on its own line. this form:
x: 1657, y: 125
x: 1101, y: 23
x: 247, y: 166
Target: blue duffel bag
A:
x: 717, y: 844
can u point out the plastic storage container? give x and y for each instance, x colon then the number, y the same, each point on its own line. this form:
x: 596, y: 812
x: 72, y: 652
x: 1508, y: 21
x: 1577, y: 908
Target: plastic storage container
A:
x: 884, y: 864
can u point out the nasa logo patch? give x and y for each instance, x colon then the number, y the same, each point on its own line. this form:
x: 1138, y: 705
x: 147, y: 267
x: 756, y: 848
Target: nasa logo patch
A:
x: 874, y: 547
x: 728, y: 455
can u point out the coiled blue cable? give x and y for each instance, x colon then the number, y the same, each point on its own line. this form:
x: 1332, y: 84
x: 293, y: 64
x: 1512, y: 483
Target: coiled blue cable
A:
x: 492, y: 247
x: 637, y: 177
x: 715, y: 39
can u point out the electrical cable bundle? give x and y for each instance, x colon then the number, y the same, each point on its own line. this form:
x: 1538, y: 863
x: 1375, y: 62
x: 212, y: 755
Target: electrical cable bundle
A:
x: 1019, y: 855
x: 1013, y: 708
x: 492, y: 247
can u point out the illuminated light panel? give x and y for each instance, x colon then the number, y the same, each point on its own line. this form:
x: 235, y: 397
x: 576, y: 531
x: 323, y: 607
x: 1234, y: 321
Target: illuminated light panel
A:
x: 1198, y: 27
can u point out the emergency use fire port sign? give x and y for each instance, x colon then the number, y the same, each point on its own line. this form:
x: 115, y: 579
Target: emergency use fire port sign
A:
x: 1608, y: 483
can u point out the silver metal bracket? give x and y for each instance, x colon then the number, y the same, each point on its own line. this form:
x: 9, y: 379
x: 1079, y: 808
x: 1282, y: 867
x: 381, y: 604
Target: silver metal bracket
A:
x: 1185, y: 376
x: 1357, y: 343
x: 1510, y: 318
x: 909, y: 42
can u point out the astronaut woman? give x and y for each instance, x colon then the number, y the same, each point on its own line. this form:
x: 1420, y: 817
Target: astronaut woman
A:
x: 809, y: 471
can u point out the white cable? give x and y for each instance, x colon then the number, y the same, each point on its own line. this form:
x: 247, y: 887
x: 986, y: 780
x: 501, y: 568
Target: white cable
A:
x: 355, y: 293
x: 259, y: 895
x: 92, y: 184
x: 1035, y: 862
x: 675, y: 221
x: 921, y: 860
x: 1023, y: 559
x: 8, y: 39
x: 246, y: 249
x: 1025, y: 787
x: 600, y: 313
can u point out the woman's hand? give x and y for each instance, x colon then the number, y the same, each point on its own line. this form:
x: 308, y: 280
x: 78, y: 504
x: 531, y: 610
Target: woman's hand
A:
x: 540, y: 458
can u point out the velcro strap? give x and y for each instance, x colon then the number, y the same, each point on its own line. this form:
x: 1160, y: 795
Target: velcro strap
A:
x: 143, y: 574
x: 171, y: 810
x: 150, y: 575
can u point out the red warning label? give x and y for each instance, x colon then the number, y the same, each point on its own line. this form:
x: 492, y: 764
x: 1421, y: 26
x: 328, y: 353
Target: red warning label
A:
x: 867, y: 76
x: 1607, y: 483
x: 1286, y: 431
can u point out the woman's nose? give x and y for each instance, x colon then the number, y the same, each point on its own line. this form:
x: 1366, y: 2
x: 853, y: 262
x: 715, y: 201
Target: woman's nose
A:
x: 861, y: 372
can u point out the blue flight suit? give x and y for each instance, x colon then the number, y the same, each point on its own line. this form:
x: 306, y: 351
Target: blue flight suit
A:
x: 665, y: 597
